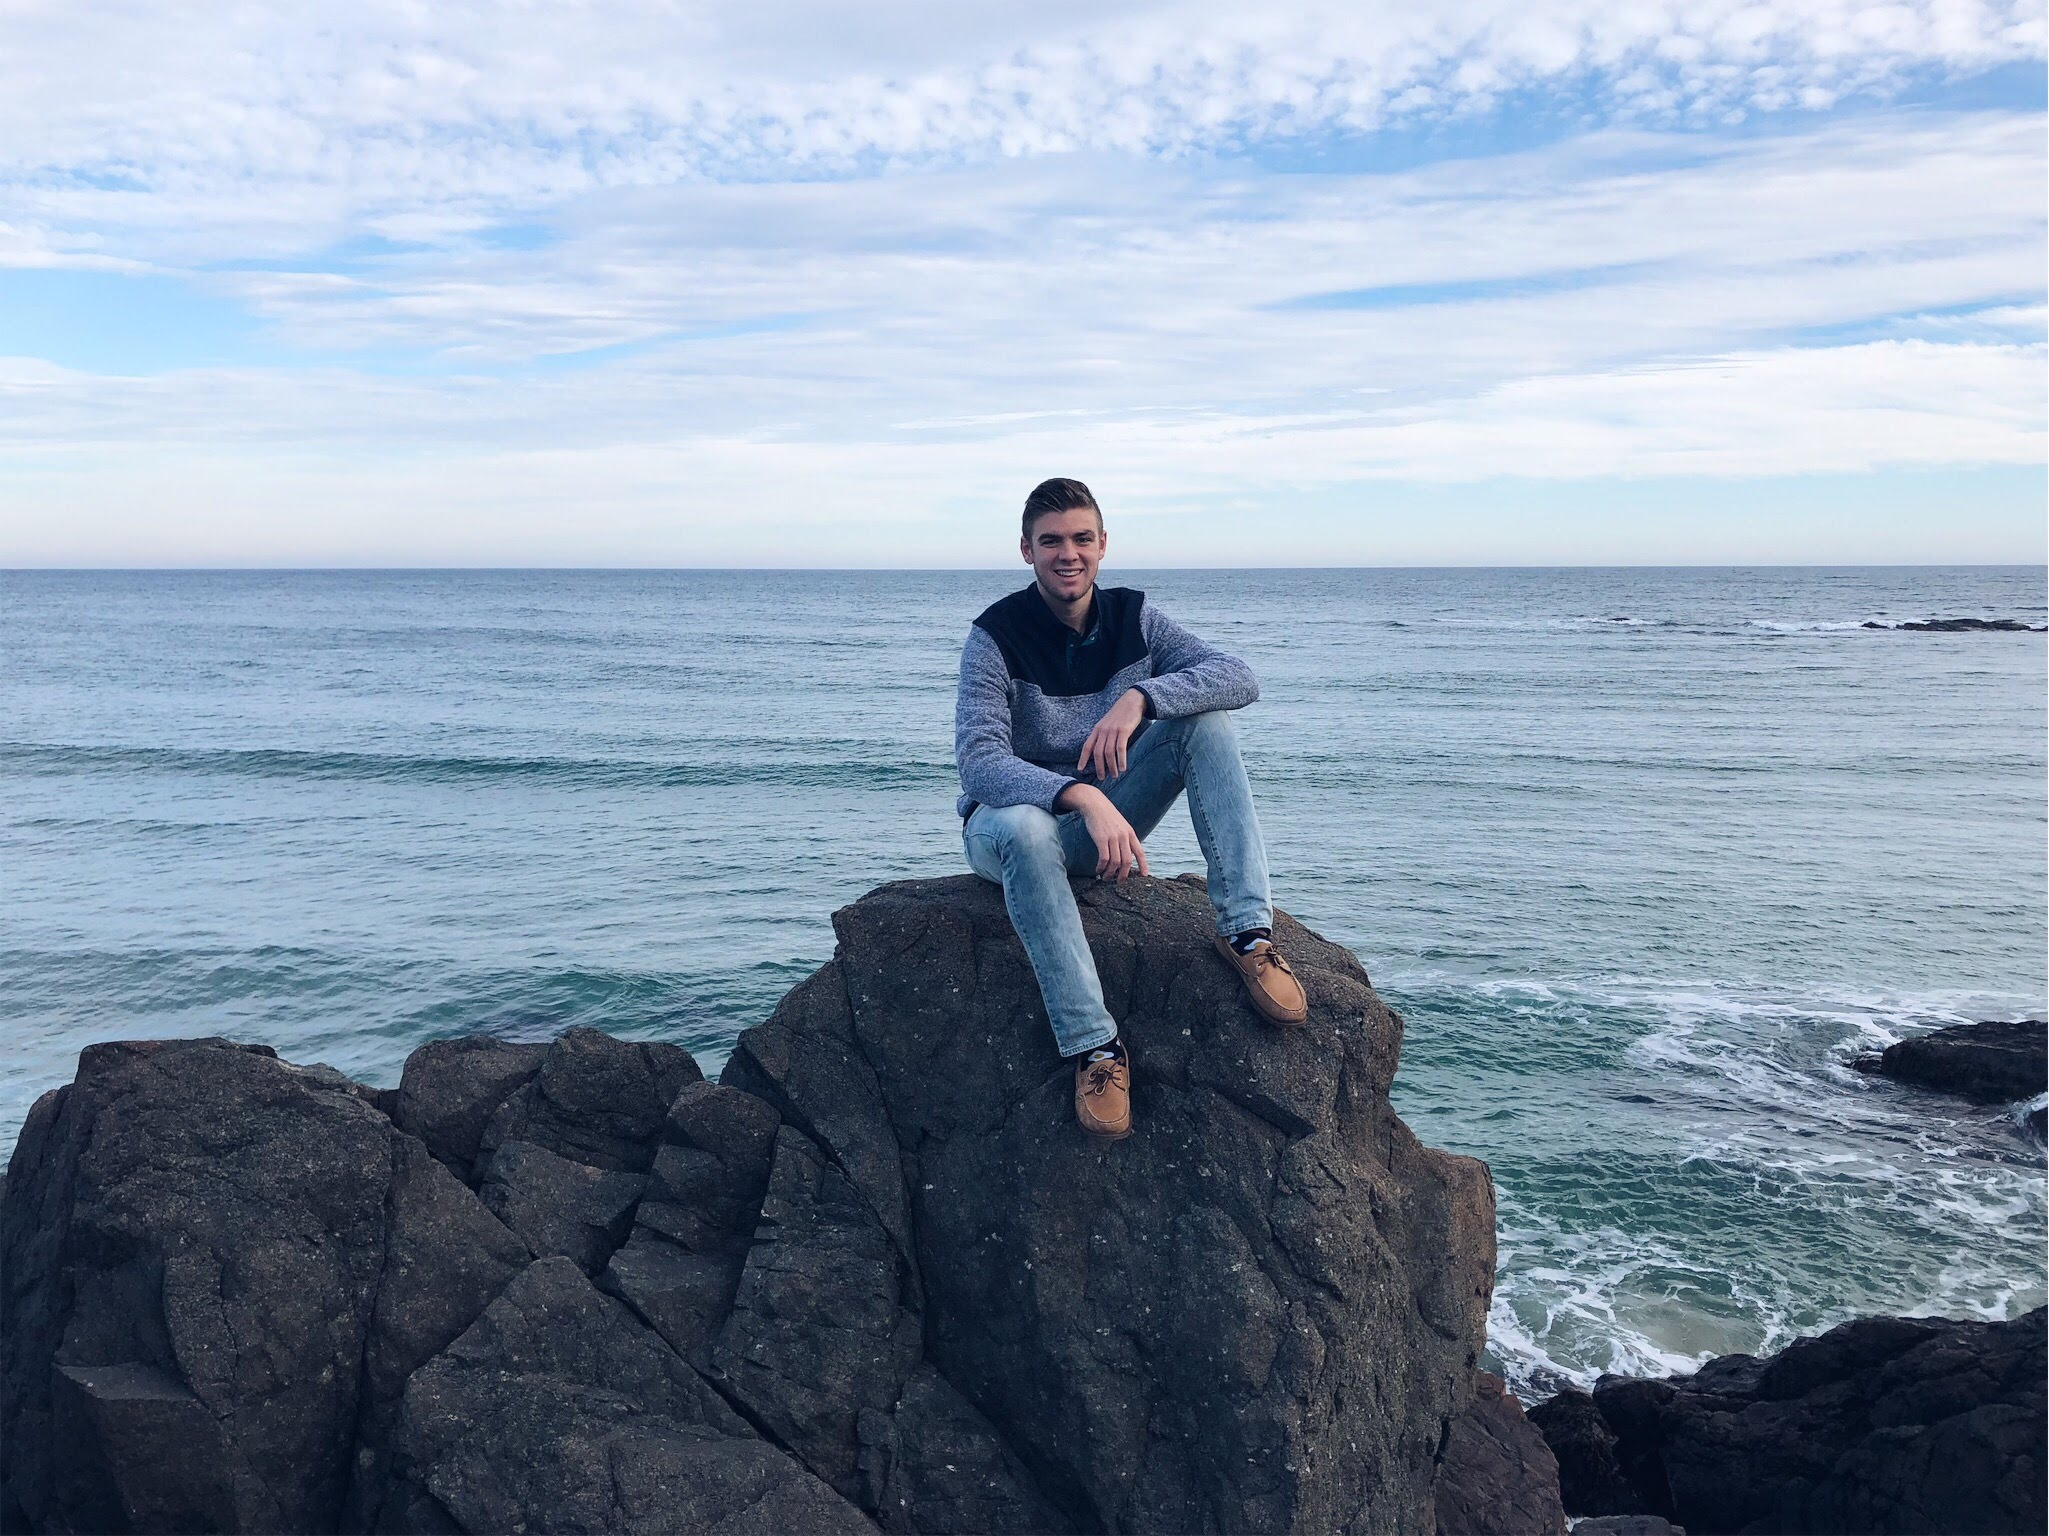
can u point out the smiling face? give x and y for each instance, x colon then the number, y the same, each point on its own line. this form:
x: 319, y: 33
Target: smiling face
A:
x: 1063, y: 550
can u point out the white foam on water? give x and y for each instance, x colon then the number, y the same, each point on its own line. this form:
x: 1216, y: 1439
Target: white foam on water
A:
x: 1756, y: 1087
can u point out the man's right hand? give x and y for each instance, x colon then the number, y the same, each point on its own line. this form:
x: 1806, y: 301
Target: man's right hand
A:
x: 1117, y: 846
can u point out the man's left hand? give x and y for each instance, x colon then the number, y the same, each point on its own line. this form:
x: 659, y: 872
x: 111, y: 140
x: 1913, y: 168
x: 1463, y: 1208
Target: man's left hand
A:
x: 1107, y: 743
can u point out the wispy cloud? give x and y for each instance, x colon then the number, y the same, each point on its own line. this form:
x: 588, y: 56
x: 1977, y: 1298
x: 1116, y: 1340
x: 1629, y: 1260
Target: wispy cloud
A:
x: 650, y: 262
x: 271, y: 121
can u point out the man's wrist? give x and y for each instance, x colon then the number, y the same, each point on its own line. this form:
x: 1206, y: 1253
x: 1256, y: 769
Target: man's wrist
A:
x: 1078, y: 797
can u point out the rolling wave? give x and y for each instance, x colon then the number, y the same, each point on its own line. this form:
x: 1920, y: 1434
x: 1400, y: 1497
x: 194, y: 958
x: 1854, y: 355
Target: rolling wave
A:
x: 415, y: 768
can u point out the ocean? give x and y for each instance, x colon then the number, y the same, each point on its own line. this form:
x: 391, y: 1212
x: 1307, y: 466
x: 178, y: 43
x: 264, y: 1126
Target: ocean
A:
x: 1644, y: 858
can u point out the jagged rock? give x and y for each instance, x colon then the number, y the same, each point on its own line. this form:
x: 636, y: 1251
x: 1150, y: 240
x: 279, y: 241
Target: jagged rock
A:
x: 194, y: 1236
x: 823, y: 1323
x: 695, y: 1224
x: 451, y: 1088
x: 1631, y: 1407
x: 559, y: 1411
x: 1498, y: 1477
x: 1590, y: 1480
x: 595, y: 1100
x: 877, y: 1270
x: 932, y: 1463
x: 137, y: 1451
x: 1879, y: 1425
x: 445, y: 1258
x: 1991, y: 1063
x: 557, y: 1206
x: 1261, y: 1312
x: 204, y: 1268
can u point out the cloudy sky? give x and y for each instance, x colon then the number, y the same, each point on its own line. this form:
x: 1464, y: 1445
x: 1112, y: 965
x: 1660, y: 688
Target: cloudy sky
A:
x: 720, y: 283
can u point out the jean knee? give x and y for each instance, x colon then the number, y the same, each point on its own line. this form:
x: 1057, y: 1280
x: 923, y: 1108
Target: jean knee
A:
x: 1022, y: 832
x: 1208, y: 732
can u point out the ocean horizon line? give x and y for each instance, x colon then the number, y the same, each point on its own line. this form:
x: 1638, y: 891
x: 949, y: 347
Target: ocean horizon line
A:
x: 970, y: 570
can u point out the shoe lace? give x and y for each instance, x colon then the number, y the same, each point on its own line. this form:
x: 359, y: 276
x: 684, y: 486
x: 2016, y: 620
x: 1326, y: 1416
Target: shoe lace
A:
x: 1101, y: 1074
x: 1266, y: 954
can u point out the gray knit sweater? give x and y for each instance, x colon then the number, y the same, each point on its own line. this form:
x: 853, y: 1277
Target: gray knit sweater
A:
x: 1031, y: 689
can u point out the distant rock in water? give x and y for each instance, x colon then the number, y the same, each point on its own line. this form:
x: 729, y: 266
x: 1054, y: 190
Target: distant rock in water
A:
x: 1996, y: 1062
x: 1961, y: 626
x: 1908, y: 1425
x: 875, y: 1279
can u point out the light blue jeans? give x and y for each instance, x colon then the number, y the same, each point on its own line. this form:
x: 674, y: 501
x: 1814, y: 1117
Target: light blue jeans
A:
x: 1031, y: 854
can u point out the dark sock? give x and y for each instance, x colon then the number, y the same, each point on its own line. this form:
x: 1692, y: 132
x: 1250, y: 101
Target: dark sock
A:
x: 1115, y: 1045
x: 1243, y: 942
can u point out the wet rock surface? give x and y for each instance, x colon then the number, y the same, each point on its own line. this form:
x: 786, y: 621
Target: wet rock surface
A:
x: 1879, y: 1425
x: 1991, y: 1063
x: 876, y: 1278
x: 1961, y: 626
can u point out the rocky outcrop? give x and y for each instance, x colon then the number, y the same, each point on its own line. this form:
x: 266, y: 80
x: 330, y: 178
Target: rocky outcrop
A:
x: 1995, y: 1062
x: 1498, y: 1477
x: 1880, y: 1425
x: 1262, y: 1312
x: 1960, y: 626
x: 875, y: 1278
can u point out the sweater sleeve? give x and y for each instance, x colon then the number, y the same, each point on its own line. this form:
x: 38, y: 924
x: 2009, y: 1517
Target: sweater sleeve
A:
x: 1190, y: 676
x: 991, y: 773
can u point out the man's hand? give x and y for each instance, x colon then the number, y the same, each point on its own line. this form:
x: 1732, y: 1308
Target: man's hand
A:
x: 1117, y: 846
x: 1106, y: 745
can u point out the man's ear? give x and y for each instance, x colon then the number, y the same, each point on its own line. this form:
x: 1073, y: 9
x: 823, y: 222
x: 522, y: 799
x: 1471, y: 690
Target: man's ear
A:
x: 1024, y: 547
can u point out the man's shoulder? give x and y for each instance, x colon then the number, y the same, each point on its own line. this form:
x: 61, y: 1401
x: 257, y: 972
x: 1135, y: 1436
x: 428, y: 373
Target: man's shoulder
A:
x: 1005, y: 612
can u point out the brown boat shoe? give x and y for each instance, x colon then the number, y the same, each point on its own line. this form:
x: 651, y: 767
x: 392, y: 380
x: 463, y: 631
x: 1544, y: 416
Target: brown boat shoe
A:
x: 1102, y: 1092
x: 1270, y: 983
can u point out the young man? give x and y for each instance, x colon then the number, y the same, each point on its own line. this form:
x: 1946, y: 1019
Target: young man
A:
x: 1067, y: 682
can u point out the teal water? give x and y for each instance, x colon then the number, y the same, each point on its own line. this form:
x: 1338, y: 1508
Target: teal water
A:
x: 1643, y: 857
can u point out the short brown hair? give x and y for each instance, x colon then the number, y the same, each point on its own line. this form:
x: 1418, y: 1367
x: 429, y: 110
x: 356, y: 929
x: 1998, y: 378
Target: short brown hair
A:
x: 1058, y: 496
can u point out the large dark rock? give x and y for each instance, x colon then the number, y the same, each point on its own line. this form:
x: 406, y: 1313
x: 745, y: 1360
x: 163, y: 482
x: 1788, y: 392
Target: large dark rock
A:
x: 1965, y: 626
x: 594, y: 1100
x: 876, y: 1277
x: 1498, y: 1477
x: 933, y: 1463
x: 559, y: 1411
x: 1961, y: 626
x: 697, y: 1219
x: 1880, y: 1425
x: 450, y: 1089
x: 1990, y: 1063
x: 1259, y: 1313
x: 193, y: 1237
x: 222, y: 1272
x: 445, y: 1258
x: 824, y: 1321
x: 1590, y: 1480
x: 560, y: 1206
